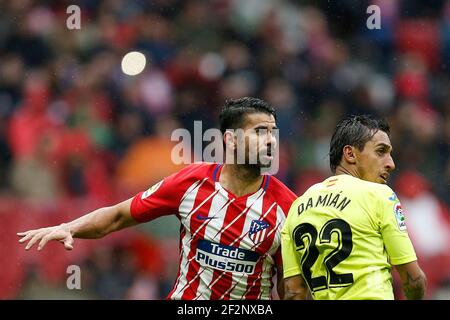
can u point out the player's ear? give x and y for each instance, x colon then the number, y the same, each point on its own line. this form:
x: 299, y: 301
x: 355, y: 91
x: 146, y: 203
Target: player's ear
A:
x: 229, y: 139
x: 348, y: 154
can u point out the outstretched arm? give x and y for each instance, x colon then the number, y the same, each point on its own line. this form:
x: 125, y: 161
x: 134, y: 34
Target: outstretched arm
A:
x: 93, y: 225
x: 413, y: 280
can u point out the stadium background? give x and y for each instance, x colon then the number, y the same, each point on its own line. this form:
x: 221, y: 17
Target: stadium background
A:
x: 76, y: 133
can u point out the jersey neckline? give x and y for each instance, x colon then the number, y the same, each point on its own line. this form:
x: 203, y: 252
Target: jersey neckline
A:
x: 216, y: 174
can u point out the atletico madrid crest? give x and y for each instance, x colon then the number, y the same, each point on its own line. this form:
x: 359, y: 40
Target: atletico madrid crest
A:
x: 258, y: 231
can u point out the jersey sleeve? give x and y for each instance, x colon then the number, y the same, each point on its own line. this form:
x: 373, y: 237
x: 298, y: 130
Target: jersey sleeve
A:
x: 291, y: 262
x: 161, y: 199
x: 393, y: 229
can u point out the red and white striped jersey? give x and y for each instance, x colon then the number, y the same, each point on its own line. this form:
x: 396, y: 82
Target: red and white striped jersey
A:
x: 229, y: 246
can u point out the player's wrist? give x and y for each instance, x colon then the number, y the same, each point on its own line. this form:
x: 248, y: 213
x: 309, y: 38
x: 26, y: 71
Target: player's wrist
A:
x: 67, y: 228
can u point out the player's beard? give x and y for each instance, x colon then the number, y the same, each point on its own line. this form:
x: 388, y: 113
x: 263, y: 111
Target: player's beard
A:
x: 256, y: 162
x: 251, y: 170
x: 256, y: 169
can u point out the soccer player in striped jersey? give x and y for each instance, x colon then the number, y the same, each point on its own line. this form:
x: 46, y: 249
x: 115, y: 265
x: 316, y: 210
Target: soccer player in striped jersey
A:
x: 231, y: 214
x: 343, y: 235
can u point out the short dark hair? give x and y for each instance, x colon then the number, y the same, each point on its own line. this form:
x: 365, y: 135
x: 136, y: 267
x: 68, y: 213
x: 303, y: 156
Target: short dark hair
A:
x: 233, y: 112
x: 354, y: 131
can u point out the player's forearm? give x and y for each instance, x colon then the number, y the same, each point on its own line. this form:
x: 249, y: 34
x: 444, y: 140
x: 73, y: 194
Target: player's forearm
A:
x: 280, y: 290
x: 299, y: 295
x: 295, y: 288
x: 414, y: 287
x: 302, y: 294
x: 98, y: 223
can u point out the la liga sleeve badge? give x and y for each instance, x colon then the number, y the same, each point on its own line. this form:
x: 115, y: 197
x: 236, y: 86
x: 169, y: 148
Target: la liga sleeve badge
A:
x: 151, y: 190
x: 399, y: 216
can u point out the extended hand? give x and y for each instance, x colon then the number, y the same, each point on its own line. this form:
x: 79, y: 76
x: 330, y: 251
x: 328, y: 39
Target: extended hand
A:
x: 59, y: 233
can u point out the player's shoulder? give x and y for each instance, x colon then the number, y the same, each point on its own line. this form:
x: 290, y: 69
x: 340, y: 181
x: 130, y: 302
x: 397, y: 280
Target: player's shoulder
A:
x: 200, y: 168
x: 372, y: 190
x: 197, y: 170
x: 279, y: 190
x: 280, y: 193
x: 361, y: 184
x: 385, y: 194
x: 378, y: 189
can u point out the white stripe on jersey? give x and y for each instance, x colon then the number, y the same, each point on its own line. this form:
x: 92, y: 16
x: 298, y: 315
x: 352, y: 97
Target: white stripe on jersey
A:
x: 280, y: 222
x: 250, y: 202
x: 247, y: 239
x: 186, y: 206
x: 200, y: 205
x: 261, y: 217
x: 218, y: 209
x: 266, y: 278
x: 188, y: 200
x: 278, y: 226
x: 239, y: 282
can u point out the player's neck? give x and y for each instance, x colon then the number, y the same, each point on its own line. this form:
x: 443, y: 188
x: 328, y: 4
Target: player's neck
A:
x: 342, y: 169
x: 240, y: 180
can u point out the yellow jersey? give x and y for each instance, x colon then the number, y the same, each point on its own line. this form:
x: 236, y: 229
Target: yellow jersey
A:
x: 342, y: 235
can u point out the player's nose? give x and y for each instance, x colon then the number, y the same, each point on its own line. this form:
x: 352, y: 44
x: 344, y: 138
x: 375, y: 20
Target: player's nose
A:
x: 390, y: 165
x: 271, y: 138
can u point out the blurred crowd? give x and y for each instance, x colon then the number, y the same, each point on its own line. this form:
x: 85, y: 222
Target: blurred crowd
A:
x: 77, y: 133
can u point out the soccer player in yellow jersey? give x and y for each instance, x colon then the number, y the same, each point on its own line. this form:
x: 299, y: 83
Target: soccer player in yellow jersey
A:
x: 343, y: 235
